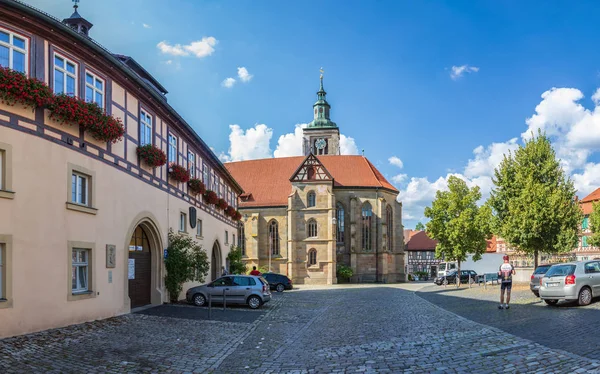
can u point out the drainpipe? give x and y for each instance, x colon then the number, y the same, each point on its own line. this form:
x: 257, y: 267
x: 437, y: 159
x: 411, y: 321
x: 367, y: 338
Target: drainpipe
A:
x: 377, y: 237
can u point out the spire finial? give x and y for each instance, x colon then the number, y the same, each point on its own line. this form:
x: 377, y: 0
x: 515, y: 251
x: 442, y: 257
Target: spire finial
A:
x: 322, y: 71
x: 75, y: 4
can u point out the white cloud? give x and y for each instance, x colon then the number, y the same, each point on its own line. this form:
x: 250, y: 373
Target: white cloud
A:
x: 200, y: 48
x: 396, y: 162
x: 244, y: 75
x: 250, y: 144
x: 487, y: 159
x: 398, y: 179
x: 146, y: 26
x: 290, y: 144
x: 587, y: 180
x: 347, y: 145
x: 228, y: 82
x: 458, y: 71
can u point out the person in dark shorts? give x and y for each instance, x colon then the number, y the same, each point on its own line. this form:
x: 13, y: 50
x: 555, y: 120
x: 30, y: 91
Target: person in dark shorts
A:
x: 505, y: 274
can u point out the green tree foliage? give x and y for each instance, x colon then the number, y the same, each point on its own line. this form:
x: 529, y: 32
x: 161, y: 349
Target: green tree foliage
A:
x: 594, y: 225
x: 185, y: 262
x: 457, y: 223
x: 236, y: 264
x: 420, y: 226
x: 533, y: 201
x: 343, y: 272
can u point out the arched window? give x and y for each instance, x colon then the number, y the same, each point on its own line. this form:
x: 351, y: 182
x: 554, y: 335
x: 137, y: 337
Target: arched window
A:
x: 339, y: 230
x: 367, y: 215
x: 389, y: 220
x: 311, y: 199
x: 242, y: 238
x: 311, y: 228
x: 274, y: 237
x: 312, y: 257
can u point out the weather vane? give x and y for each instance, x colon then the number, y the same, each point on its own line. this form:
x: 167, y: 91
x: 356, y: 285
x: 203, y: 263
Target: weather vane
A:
x: 322, y: 71
x: 75, y: 4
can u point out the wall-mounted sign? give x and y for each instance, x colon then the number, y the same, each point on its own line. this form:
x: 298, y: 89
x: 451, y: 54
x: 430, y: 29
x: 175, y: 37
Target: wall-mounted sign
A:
x: 193, y: 217
x: 111, y: 256
x: 131, y: 269
x: 139, y: 248
x: 132, y: 247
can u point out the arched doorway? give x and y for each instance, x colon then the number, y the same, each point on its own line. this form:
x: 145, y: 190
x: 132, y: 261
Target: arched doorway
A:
x: 215, y: 261
x: 140, y: 268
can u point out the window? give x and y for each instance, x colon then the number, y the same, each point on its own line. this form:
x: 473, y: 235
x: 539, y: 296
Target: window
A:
x: 79, y: 189
x: 199, y: 228
x: 146, y: 130
x: 312, y: 199
x: 80, y: 270
x: 14, y: 51
x: 585, y: 223
x: 312, y: 257
x: 233, y: 239
x: 192, y: 164
x: 584, y: 241
x: 182, y: 222
x: 2, y: 273
x: 65, y: 76
x: 312, y: 228
x: 367, y: 214
x: 94, y: 89
x: 389, y: 220
x: 274, y: 237
x: 205, y: 175
x: 172, y: 149
x: 242, y: 238
x: 226, y: 237
x: 339, y: 229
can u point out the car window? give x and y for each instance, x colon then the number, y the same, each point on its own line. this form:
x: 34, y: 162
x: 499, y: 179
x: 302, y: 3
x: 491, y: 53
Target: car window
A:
x: 223, y: 282
x: 560, y: 270
x: 241, y: 281
x: 592, y: 267
x: 541, y: 269
x: 251, y: 281
x: 263, y: 281
x: 452, y: 266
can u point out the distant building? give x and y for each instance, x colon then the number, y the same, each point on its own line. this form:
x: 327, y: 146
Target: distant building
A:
x: 420, y: 250
x: 584, y: 250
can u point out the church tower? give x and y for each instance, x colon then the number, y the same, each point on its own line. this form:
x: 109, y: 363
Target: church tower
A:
x: 321, y: 136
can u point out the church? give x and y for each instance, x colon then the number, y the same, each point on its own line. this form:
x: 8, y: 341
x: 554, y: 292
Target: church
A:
x: 304, y: 216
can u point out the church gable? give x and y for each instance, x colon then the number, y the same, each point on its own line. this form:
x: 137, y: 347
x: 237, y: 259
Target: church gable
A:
x: 311, y: 170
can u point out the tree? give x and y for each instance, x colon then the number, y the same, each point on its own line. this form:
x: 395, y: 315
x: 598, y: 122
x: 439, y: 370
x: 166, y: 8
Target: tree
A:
x: 459, y: 225
x: 594, y: 225
x: 419, y: 226
x: 533, y: 201
x: 236, y: 264
x: 185, y: 262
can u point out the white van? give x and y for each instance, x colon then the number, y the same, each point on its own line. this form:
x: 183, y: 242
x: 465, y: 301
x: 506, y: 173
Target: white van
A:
x: 445, y: 267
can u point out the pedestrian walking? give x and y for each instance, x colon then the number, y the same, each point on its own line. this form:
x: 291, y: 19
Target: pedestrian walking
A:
x: 505, y: 274
x: 254, y: 271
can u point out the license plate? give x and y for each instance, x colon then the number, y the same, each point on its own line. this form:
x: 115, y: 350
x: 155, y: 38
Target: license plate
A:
x: 551, y: 284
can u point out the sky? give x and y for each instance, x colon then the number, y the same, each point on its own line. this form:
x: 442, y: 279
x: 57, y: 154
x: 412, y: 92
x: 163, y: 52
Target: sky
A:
x: 427, y: 89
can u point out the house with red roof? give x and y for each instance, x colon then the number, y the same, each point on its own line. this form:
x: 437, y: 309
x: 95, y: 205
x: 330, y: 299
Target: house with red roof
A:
x: 420, y: 254
x: 305, y: 216
x: 584, y: 250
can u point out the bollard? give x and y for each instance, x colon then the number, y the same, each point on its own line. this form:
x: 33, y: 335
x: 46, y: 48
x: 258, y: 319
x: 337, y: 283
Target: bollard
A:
x: 209, y: 305
x: 224, y: 300
x: 485, y: 281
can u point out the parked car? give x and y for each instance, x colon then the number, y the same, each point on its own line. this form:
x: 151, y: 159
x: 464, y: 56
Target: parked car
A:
x: 534, y: 284
x: 574, y: 281
x: 233, y: 289
x: 278, y: 282
x: 466, y: 276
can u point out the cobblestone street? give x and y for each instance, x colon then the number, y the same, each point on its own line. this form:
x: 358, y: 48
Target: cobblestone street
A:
x: 345, y: 329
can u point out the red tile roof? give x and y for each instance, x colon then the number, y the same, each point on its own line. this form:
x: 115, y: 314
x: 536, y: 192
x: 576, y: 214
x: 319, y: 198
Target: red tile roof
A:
x: 268, y: 180
x: 592, y: 197
x: 491, y: 245
x: 421, y: 242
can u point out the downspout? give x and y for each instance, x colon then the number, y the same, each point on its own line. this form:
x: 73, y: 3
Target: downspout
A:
x: 377, y: 237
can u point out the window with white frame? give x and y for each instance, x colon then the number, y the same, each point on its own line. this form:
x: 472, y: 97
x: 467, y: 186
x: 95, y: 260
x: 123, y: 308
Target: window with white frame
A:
x: 192, y: 164
x: 172, y: 148
x: 205, y: 175
x: 182, y: 222
x: 199, y: 228
x: 14, y: 51
x: 80, y: 270
x: 146, y: 129
x: 65, y: 76
x: 2, y: 272
x: 94, y: 89
x: 79, y: 189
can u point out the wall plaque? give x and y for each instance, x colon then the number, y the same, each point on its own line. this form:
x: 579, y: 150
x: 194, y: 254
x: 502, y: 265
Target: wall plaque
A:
x: 111, y: 256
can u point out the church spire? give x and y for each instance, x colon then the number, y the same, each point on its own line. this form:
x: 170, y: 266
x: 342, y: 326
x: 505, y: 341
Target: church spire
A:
x: 77, y: 22
x: 321, y: 108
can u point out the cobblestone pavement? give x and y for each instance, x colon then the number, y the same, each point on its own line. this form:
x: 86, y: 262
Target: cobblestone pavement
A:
x: 345, y: 329
x: 567, y: 326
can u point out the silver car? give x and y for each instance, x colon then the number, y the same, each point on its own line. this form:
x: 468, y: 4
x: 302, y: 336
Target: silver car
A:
x: 233, y: 289
x: 574, y: 281
x: 534, y: 284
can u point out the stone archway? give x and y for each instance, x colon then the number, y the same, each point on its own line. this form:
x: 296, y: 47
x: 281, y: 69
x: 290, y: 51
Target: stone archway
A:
x: 215, y: 261
x: 143, y: 250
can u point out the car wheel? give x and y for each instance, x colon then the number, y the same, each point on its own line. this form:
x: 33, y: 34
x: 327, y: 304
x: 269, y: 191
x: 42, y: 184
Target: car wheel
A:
x: 199, y: 300
x: 254, y: 302
x: 551, y: 301
x: 585, y: 296
x: 280, y: 287
x: 537, y: 294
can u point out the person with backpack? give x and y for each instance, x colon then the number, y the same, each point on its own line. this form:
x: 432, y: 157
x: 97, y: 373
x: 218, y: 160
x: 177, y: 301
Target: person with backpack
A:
x: 505, y: 274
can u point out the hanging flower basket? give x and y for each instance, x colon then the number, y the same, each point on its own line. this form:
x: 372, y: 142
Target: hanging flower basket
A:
x: 196, y: 186
x: 152, y: 155
x: 16, y: 88
x: 222, y: 204
x: 178, y: 173
x: 211, y: 197
x: 237, y: 216
x: 230, y: 211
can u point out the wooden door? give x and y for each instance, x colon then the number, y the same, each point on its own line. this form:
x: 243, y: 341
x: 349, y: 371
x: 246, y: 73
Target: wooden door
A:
x: 140, y: 260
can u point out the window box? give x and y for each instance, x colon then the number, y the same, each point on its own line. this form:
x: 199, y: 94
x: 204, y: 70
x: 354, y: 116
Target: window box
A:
x: 28, y: 92
x: 196, y: 186
x: 151, y: 155
x: 210, y: 197
x: 221, y: 204
x: 178, y: 173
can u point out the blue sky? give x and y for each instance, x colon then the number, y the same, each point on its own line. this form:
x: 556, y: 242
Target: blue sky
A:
x: 388, y: 73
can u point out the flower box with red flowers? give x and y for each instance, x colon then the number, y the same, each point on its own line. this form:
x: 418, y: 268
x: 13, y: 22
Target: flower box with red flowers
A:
x: 237, y: 216
x: 196, y: 186
x: 152, y: 155
x: 178, y: 173
x: 17, y: 88
x: 222, y: 204
x: 230, y: 211
x: 211, y: 197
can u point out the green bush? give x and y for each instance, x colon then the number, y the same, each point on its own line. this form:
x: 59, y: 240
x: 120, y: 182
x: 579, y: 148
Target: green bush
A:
x: 263, y: 269
x: 344, y: 272
x: 236, y: 264
x: 185, y: 262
